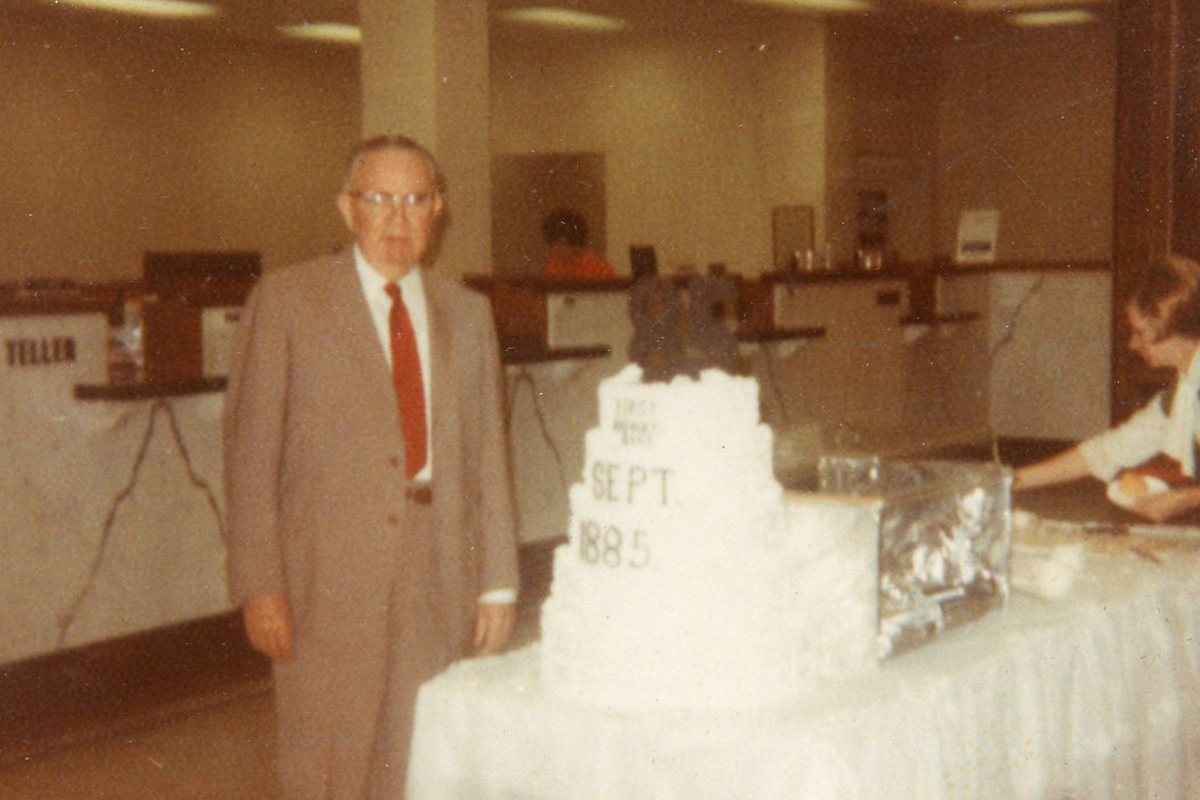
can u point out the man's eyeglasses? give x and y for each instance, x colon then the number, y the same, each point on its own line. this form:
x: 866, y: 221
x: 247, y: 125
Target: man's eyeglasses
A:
x: 380, y: 202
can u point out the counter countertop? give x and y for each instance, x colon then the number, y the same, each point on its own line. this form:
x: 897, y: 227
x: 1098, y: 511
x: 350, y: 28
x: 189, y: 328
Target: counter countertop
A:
x: 781, y: 334
x: 522, y: 352
x: 1069, y: 265
x: 143, y: 391
x: 937, y: 318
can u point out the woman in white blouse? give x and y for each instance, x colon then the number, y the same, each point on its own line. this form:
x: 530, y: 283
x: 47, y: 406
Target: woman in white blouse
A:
x: 1159, y: 440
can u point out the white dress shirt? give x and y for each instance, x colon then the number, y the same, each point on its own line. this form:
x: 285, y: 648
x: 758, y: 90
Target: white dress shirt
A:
x: 1151, y: 431
x: 412, y: 289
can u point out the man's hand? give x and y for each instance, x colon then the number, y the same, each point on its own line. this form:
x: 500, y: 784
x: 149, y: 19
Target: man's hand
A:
x: 268, y: 620
x: 493, y: 625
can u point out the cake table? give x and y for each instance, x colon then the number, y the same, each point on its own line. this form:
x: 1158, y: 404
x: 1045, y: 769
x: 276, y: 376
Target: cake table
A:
x: 1095, y: 695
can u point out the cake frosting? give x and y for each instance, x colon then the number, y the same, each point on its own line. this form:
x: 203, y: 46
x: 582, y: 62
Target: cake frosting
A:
x: 689, y: 579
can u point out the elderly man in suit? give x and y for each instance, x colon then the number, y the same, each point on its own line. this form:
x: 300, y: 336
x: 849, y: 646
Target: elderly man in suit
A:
x: 370, y: 537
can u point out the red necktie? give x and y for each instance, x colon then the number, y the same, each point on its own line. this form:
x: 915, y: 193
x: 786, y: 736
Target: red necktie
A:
x: 406, y: 374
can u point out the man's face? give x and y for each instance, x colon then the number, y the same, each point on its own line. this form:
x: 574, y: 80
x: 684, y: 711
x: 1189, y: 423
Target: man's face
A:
x: 391, y: 206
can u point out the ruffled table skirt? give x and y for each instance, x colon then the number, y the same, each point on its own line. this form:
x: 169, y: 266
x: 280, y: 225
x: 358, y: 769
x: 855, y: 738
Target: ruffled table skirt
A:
x: 1092, y: 696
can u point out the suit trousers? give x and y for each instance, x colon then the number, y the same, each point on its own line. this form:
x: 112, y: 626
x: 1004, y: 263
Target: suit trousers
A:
x: 416, y: 614
x: 345, y: 704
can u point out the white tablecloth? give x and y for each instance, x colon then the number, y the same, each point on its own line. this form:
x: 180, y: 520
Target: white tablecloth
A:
x: 1093, y: 696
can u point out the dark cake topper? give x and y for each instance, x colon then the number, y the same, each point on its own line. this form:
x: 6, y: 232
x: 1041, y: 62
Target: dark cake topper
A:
x: 681, y: 327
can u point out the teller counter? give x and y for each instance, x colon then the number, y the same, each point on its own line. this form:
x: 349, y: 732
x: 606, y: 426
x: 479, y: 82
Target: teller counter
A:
x: 843, y: 365
x: 558, y: 341
x: 1095, y: 694
x: 112, y: 521
x: 892, y: 374
x: 1046, y: 330
x: 114, y: 496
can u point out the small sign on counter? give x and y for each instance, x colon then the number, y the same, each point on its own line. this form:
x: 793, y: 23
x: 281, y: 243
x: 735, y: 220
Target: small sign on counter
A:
x: 22, y: 352
x: 978, y: 230
x: 218, y: 324
x: 67, y: 348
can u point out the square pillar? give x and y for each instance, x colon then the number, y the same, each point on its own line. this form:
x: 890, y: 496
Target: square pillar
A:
x: 425, y: 75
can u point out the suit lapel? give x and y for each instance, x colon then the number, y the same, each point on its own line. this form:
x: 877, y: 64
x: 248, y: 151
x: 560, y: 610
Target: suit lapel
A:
x: 441, y: 390
x: 355, y: 334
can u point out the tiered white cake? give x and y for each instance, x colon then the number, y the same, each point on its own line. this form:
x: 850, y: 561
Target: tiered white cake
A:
x: 687, y: 581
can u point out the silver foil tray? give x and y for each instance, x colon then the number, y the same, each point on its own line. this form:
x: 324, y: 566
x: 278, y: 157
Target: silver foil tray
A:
x: 944, y: 539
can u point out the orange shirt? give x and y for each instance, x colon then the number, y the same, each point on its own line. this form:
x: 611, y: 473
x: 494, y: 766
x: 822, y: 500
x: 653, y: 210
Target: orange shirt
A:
x: 584, y: 264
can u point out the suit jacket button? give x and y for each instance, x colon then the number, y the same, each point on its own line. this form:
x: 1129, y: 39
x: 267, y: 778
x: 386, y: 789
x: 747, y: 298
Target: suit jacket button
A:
x: 393, y: 519
x: 394, y: 461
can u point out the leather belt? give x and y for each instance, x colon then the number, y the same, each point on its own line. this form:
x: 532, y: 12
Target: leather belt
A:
x: 419, y: 493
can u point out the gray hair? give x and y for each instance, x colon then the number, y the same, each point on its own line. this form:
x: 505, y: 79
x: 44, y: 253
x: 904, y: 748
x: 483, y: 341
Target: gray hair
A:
x: 393, y: 142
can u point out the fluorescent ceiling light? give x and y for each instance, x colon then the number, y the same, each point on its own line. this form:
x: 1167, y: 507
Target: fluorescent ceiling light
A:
x: 814, y: 5
x: 1042, y: 19
x: 337, y: 32
x: 563, y: 18
x: 173, y: 9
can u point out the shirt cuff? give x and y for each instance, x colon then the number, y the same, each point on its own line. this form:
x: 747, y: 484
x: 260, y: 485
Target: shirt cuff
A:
x: 1098, y: 460
x: 499, y: 596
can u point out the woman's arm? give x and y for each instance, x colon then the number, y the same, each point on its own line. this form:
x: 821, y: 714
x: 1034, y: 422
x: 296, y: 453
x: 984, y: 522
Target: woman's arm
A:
x: 1067, y: 466
x: 1133, y: 442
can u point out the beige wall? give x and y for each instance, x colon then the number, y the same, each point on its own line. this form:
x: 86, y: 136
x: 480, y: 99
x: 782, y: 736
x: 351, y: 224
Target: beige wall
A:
x: 118, y: 141
x: 792, y: 109
x: 703, y: 134
x: 678, y: 124
x: 883, y: 95
x: 1033, y: 139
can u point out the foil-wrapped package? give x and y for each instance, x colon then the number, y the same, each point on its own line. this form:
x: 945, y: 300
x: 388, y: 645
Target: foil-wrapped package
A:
x: 944, y: 538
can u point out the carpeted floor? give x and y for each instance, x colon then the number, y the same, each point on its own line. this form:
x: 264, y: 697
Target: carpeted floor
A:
x: 183, y: 712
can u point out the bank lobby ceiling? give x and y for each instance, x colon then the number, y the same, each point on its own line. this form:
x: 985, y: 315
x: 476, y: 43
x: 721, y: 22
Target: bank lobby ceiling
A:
x: 259, y: 19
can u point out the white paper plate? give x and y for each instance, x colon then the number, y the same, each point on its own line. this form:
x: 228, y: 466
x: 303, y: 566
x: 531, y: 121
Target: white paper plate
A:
x: 1117, y: 494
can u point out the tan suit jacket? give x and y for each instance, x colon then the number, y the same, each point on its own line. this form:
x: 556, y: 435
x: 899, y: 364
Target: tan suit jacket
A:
x: 317, y: 508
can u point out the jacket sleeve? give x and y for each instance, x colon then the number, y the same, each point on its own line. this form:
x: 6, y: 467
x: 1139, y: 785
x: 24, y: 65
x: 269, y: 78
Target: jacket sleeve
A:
x: 498, y: 539
x: 253, y: 439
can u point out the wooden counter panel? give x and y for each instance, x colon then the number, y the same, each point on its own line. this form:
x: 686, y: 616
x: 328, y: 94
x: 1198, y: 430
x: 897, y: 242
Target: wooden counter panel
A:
x: 173, y: 346
x: 520, y: 313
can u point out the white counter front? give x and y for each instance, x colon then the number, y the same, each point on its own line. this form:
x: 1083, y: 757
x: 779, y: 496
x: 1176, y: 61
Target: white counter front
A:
x: 1046, y: 361
x: 112, y: 513
x: 552, y: 404
x: 1095, y: 696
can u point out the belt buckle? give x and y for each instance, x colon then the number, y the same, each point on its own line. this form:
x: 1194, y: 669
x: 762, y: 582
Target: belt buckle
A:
x: 420, y: 493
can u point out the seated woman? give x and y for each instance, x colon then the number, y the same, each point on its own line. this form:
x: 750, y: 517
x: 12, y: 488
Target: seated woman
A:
x: 1159, y: 440
x: 567, y: 234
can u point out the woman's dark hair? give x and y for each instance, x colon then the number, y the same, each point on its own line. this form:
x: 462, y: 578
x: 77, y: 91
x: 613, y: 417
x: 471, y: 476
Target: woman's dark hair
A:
x: 565, y: 225
x: 1169, y: 291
